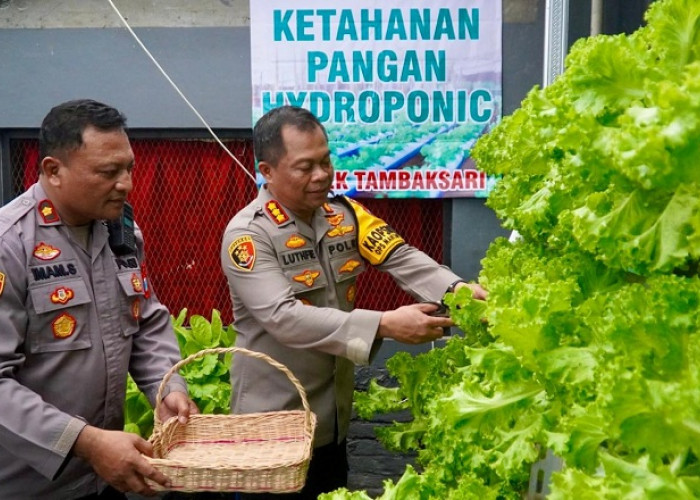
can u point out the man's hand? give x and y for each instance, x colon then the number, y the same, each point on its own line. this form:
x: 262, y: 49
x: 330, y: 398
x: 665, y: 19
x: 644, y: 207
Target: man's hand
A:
x: 477, y: 291
x: 413, y: 324
x: 177, y: 404
x: 116, y: 457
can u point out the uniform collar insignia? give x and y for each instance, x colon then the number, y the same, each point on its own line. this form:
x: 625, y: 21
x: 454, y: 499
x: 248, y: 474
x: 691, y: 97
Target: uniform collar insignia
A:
x: 47, y: 212
x: 276, y: 212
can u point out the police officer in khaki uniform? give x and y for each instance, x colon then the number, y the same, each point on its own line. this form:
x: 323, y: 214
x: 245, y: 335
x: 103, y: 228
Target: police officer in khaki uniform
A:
x: 76, y: 313
x: 292, y: 258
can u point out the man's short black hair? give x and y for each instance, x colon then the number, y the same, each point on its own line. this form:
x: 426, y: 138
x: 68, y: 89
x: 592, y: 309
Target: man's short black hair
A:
x: 62, y: 128
x: 267, y: 133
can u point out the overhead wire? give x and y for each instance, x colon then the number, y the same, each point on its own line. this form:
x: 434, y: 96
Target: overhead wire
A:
x: 177, y: 89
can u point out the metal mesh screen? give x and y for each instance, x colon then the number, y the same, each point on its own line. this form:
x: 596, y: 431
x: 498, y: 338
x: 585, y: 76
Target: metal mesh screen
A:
x: 186, y: 191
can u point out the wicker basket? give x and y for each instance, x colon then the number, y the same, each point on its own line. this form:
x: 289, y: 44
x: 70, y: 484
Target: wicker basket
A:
x: 255, y: 452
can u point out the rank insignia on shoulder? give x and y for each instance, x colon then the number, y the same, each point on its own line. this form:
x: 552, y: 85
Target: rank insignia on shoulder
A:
x: 295, y: 241
x: 63, y: 326
x: 48, y: 212
x: 276, y: 211
x: 2, y: 282
x: 307, y: 277
x: 327, y: 208
x: 62, y: 295
x: 136, y: 283
x: 44, y: 251
x: 242, y: 253
x: 306, y: 302
x: 349, y: 266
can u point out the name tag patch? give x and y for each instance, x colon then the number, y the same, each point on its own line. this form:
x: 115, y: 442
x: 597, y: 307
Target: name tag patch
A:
x: 46, y: 272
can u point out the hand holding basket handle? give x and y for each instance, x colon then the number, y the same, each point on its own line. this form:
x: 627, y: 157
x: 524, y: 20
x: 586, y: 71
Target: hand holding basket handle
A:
x: 253, y: 452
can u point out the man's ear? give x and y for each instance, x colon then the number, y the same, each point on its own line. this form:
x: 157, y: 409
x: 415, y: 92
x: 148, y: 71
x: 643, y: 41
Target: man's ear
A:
x: 265, y: 169
x: 49, y: 168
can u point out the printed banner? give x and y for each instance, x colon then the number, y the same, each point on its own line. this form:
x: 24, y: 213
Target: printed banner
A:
x: 403, y: 87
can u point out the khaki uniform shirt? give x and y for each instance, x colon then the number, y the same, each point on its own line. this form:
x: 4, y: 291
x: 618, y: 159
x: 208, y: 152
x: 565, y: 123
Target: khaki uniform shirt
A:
x: 72, y: 322
x: 293, y: 288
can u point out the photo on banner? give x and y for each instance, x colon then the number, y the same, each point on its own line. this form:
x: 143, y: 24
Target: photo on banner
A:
x: 404, y: 88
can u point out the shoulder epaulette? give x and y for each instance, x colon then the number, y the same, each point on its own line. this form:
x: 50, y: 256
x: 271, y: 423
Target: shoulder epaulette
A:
x: 275, y: 212
x: 14, y: 211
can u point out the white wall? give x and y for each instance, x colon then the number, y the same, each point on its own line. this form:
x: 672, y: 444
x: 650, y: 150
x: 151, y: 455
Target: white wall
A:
x: 164, y: 13
x: 139, y: 13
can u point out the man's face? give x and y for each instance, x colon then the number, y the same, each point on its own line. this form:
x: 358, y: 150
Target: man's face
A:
x: 304, y: 175
x: 92, y: 181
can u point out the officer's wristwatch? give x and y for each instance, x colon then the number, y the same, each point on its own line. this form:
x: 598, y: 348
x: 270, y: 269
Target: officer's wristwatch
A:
x: 451, y: 288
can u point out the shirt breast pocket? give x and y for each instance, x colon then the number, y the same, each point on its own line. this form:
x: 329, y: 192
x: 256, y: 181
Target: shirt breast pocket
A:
x: 59, y: 317
x: 131, y: 300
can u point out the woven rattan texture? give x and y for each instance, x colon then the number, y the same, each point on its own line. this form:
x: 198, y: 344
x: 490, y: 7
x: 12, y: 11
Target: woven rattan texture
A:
x: 256, y: 452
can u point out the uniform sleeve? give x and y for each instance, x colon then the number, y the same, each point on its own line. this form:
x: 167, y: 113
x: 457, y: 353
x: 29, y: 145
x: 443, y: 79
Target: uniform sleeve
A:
x: 262, y: 292
x: 414, y: 271
x: 418, y: 274
x: 155, y: 348
x: 30, y: 429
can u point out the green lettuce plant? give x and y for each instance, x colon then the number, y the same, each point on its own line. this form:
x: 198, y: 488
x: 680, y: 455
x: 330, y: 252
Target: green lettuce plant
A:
x: 590, y: 346
x: 207, y: 378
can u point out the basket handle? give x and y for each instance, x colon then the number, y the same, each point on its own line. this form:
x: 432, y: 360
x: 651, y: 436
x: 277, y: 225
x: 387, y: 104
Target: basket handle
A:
x: 221, y: 350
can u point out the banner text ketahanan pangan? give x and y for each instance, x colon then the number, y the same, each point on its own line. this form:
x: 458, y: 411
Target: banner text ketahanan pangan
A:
x: 385, y: 66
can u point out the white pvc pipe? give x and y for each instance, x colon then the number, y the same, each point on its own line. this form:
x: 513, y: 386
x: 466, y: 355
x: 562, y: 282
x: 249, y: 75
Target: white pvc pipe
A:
x: 596, y: 17
x: 556, y: 28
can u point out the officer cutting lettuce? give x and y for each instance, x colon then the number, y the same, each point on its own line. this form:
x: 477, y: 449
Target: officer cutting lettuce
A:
x: 292, y: 258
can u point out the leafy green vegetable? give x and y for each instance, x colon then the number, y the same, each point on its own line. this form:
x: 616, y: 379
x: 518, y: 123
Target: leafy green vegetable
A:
x: 207, y: 377
x: 590, y: 346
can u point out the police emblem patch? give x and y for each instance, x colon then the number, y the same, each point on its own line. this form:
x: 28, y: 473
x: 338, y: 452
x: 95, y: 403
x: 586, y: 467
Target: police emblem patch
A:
x: 62, y: 295
x: 44, y: 251
x: 242, y: 253
x: 63, y: 326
